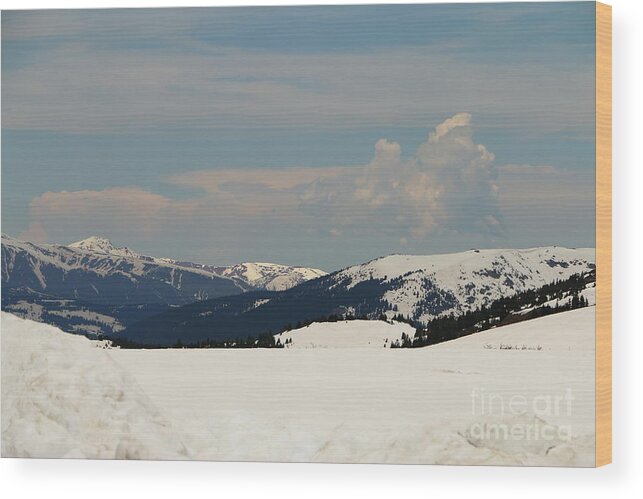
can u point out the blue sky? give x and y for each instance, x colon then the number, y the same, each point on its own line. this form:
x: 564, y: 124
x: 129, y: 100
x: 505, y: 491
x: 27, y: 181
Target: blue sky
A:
x: 320, y: 136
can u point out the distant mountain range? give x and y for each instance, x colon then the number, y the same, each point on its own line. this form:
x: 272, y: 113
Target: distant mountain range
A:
x: 417, y: 288
x: 94, y: 286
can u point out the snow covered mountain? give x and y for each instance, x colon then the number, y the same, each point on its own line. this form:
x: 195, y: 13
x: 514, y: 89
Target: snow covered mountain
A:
x: 98, y: 255
x: 422, y: 287
x: 270, y: 276
x: 93, y: 287
x: 95, y: 271
x: 257, y: 275
x: 419, y: 288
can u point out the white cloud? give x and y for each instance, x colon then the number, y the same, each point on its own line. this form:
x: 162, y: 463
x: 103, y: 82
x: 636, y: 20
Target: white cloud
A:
x: 460, y: 175
x: 450, y: 187
x: 447, y: 186
x: 460, y: 119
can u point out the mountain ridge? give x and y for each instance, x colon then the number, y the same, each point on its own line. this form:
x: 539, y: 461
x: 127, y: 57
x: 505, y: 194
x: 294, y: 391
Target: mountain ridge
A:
x: 263, y: 273
x: 94, y: 286
x: 417, y: 287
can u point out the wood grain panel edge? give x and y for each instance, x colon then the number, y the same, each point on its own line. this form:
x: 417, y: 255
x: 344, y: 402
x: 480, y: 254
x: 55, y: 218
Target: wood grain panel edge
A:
x: 603, y: 234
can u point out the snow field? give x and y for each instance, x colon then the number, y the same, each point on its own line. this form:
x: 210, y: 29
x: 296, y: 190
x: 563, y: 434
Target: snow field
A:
x: 62, y: 396
x: 346, y: 334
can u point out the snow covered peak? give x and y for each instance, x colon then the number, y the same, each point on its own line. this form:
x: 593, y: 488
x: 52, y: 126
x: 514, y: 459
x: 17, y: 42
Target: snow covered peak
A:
x: 271, y: 276
x: 94, y: 243
x: 99, y: 244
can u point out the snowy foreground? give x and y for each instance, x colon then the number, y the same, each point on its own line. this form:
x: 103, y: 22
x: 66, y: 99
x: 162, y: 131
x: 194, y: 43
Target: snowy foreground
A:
x: 520, y: 394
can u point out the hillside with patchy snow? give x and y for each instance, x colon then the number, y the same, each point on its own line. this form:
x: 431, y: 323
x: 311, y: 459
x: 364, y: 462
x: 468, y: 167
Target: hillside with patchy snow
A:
x: 419, y: 288
x: 422, y: 287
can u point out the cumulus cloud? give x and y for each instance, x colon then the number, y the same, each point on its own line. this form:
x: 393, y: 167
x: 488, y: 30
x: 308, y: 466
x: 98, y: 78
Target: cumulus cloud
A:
x: 447, y: 187
x: 460, y: 175
x: 459, y: 120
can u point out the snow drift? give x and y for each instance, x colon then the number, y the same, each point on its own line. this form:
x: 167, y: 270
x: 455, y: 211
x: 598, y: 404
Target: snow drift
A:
x: 62, y: 396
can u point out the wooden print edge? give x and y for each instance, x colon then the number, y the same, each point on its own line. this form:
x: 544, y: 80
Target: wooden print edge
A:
x: 603, y: 234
